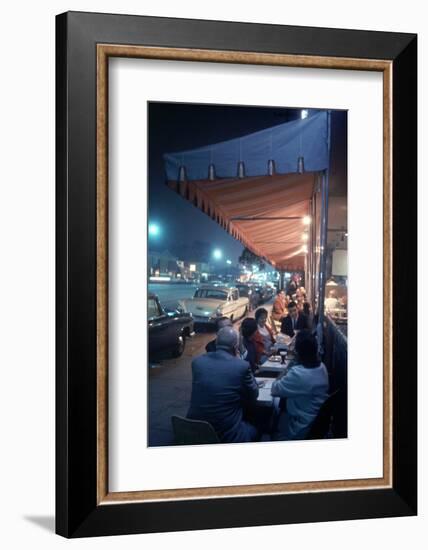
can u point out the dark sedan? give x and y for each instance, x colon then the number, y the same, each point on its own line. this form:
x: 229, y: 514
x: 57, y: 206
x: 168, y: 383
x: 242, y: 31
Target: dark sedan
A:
x: 168, y: 330
x: 264, y: 293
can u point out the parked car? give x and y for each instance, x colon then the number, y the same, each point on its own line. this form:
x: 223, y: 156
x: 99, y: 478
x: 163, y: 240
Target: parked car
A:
x: 259, y: 295
x: 244, y: 289
x: 247, y: 290
x: 265, y: 293
x: 216, y: 282
x: 168, y: 329
x: 270, y: 291
x: 211, y: 302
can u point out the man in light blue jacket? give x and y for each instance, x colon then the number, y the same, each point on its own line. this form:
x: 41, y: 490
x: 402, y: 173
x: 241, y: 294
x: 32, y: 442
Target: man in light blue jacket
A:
x: 305, y: 387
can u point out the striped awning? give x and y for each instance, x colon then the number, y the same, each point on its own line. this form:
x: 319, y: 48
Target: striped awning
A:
x: 258, y: 187
x: 264, y: 213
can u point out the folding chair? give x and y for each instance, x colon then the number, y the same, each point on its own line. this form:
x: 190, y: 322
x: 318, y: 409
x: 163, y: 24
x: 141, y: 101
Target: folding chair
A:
x: 193, y: 432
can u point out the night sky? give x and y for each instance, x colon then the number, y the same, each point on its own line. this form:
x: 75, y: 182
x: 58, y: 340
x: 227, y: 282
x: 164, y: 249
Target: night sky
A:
x: 178, y: 127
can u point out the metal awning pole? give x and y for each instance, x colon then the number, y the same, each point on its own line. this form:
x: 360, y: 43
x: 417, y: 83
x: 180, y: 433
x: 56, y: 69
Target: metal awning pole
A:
x: 306, y: 267
x: 314, y: 245
x: 323, y: 235
x: 308, y: 260
x: 323, y: 242
x: 311, y: 247
x: 282, y: 280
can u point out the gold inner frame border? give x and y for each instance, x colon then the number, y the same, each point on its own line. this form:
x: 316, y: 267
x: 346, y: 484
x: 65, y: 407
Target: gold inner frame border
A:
x: 104, y: 52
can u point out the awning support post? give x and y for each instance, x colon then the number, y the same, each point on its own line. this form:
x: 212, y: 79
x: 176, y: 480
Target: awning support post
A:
x: 313, y: 251
x: 323, y: 238
x: 281, y: 280
x: 307, y: 271
x: 310, y: 258
x: 323, y: 245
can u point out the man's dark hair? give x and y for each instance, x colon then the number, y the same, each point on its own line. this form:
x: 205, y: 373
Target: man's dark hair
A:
x: 291, y: 304
x: 280, y: 290
x: 248, y: 327
x: 222, y: 322
x: 259, y: 312
x: 306, y: 348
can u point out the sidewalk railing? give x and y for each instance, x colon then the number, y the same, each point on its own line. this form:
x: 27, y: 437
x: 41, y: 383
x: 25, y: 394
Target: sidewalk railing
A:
x: 336, y: 361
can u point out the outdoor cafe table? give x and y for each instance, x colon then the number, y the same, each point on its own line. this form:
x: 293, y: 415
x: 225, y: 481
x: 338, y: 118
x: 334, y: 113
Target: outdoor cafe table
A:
x: 265, y: 398
x: 267, y: 406
x: 273, y: 366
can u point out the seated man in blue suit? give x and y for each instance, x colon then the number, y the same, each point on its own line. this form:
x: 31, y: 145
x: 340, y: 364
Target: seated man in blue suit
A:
x: 221, y: 384
x: 293, y: 321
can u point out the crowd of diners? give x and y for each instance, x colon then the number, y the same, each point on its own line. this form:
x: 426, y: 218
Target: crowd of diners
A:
x: 224, y: 385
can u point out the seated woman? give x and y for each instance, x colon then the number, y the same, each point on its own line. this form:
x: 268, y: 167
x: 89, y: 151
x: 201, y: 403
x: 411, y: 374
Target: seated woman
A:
x: 300, y: 298
x: 279, y: 308
x: 305, y: 386
x: 248, y: 346
x: 263, y: 338
x: 301, y: 291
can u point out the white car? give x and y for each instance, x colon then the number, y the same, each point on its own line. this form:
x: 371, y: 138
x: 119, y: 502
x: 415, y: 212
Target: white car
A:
x: 211, y: 302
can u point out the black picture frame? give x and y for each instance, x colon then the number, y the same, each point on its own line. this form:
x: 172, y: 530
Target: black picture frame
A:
x: 77, y: 511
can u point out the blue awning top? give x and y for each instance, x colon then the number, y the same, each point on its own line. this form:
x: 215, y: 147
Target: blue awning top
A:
x: 283, y: 144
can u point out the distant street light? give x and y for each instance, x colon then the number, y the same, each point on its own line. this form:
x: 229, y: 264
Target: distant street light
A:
x: 229, y: 262
x: 154, y: 230
x: 217, y: 254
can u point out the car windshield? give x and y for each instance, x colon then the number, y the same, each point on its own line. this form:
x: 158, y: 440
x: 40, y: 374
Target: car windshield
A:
x: 210, y: 293
x: 152, y: 308
x: 243, y: 290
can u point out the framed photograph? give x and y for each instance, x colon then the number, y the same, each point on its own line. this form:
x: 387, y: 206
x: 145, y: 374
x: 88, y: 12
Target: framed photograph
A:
x: 236, y: 250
